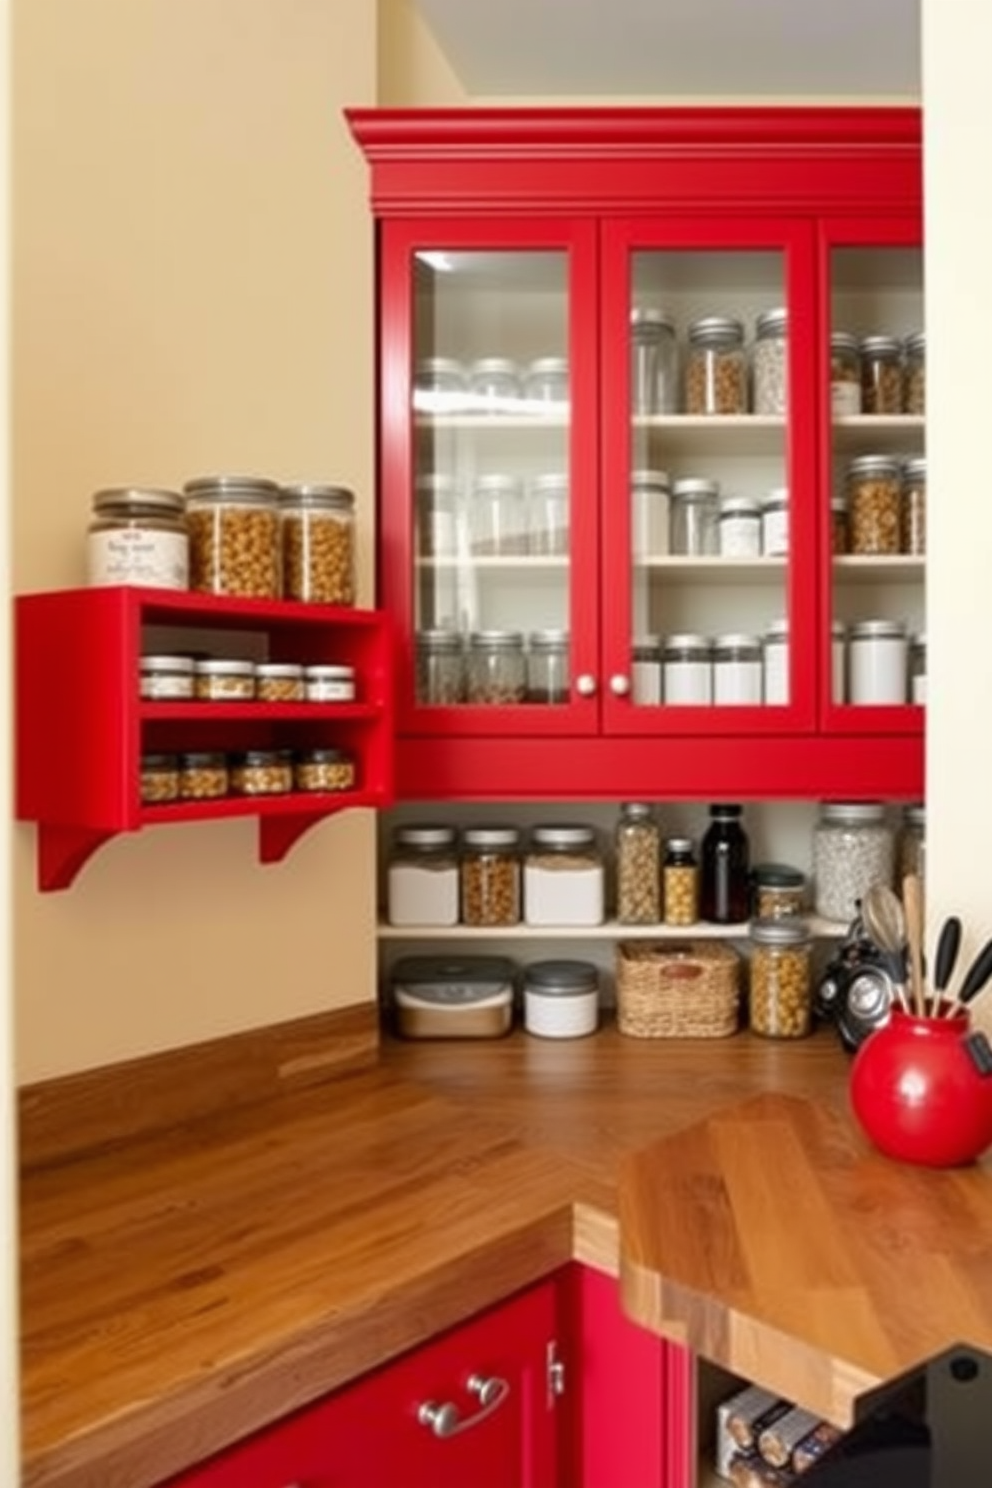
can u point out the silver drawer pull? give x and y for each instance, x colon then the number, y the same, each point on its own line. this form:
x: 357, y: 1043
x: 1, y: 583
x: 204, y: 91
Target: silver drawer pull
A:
x: 447, y: 1420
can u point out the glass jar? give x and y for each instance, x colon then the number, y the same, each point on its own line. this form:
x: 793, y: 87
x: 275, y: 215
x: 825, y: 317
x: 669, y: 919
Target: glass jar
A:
x: 914, y: 506
x: 547, y: 667
x: 436, y: 496
x: 775, y: 523
x: 853, y: 847
x: 498, y: 517
x: 779, y: 891
x: 546, y: 383
x: 770, y: 362
x: 234, y: 536
x: 914, y: 387
x: 874, y: 493
x: 203, y: 775
x: 737, y: 670
x: 845, y: 376
x: 877, y: 656
x: 440, y: 668
x: 547, y: 515
x: 318, y: 544
x: 693, y: 517
x: 680, y: 882
x: 323, y: 770
x: 561, y: 998
x: 166, y: 678
x: 645, y: 670
x: 564, y: 877
x: 325, y: 683
x: 637, y: 845
x: 440, y: 384
x: 780, y: 993
x: 138, y: 537
x: 838, y: 526
x: 262, y: 772
x: 776, y: 663
x: 490, y: 879
x: 881, y: 374
x: 279, y: 682
x: 918, y: 668
x: 725, y: 878
x: 653, y: 362
x: 716, y: 372
x: 422, y: 876
x: 650, y: 492
x: 838, y: 662
x: 494, y: 383
x: 739, y: 527
x: 159, y: 780
x: 912, y: 841
x: 223, y: 681
x: 687, y: 667
x: 496, y: 668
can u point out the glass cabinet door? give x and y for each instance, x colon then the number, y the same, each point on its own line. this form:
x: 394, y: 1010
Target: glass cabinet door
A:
x: 708, y: 516
x: 875, y: 474
x: 501, y: 463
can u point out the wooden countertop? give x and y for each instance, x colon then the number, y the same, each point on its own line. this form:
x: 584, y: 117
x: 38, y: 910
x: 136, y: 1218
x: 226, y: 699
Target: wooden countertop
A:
x: 186, y: 1287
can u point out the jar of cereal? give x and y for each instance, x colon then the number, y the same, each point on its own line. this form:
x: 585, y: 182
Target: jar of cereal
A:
x: 233, y: 525
x: 318, y: 543
x: 781, y: 986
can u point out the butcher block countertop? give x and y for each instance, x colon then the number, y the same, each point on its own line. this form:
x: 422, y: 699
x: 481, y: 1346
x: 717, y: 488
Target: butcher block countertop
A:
x: 193, y: 1283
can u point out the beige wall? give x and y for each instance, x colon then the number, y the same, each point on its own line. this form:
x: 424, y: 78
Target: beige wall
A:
x: 192, y: 291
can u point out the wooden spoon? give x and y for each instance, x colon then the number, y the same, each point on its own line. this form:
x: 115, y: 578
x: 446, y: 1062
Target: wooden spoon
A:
x: 913, y: 904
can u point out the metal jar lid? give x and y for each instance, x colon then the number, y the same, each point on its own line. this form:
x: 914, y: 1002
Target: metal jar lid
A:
x: 548, y: 366
x: 484, y: 973
x: 881, y: 346
x: 159, y: 761
x: 679, y: 845
x: 877, y: 466
x: 789, y: 931
x: 561, y: 978
x: 695, y: 488
x: 491, y: 837
x: 203, y: 759
x: 323, y: 757
x: 424, y: 835
x: 650, y: 480
x: 494, y: 366
x: 548, y: 640
x: 224, y: 668
x: 253, y: 759
x: 772, y: 323
x: 915, y: 815
x: 317, y: 496
x: 562, y: 838
x: 647, y: 322
x: 878, y: 630
x: 247, y: 489
x: 154, y: 664
x: 496, y: 640
x: 716, y: 330
x: 779, y: 876
x: 325, y: 672
x: 916, y: 344
x: 638, y: 810
x: 777, y: 630
x: 430, y: 369
x: 552, y: 483
x: 136, y: 498
x: 686, y: 647
x: 497, y: 483
x: 863, y: 813
x: 439, y: 640
x: 734, y: 645
x: 914, y: 470
x: 646, y: 645
x: 843, y: 341
x: 738, y: 506
x: 288, y: 670
x: 777, y: 499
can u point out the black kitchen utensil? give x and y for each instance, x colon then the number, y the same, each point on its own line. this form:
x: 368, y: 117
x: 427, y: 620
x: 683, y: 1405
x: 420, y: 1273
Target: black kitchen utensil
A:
x: 975, y: 979
x: 948, y: 944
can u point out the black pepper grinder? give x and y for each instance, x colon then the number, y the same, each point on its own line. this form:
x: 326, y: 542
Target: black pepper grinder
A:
x: 725, y: 868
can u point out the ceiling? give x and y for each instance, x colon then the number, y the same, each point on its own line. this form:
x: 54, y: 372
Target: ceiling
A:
x: 697, y: 48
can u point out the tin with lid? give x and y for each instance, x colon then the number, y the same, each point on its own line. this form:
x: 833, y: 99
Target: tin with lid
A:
x: 324, y: 682
x: 422, y: 877
x: 561, y: 998
x: 775, y: 523
x: 223, y: 680
x: 877, y: 662
x: 775, y: 672
x: 564, y: 876
x: 318, y: 543
x: 687, y: 670
x: 452, y: 997
x: 645, y: 670
x: 650, y: 492
x: 716, y: 370
x: 737, y: 669
x: 739, y: 524
x: 770, y: 362
x: 279, y: 682
x: 234, y: 546
x: 166, y: 678
x: 138, y: 536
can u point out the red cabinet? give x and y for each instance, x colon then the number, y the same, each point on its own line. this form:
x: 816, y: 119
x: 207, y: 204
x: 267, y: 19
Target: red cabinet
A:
x: 519, y: 252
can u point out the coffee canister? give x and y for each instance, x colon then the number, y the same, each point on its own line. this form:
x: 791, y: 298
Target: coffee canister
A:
x: 561, y: 998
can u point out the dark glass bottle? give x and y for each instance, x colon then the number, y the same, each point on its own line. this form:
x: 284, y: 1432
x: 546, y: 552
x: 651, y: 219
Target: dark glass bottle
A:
x: 724, y: 869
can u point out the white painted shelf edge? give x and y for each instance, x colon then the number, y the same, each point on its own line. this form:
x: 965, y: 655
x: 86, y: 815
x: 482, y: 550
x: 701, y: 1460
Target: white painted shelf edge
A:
x: 612, y: 930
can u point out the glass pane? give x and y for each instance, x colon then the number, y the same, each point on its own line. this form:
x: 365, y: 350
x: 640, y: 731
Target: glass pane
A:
x: 878, y: 496
x: 709, y: 497
x: 491, y: 479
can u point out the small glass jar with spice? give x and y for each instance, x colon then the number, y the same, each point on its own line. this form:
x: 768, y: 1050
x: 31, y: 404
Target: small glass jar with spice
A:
x: 680, y: 881
x: 159, y: 779
x: 881, y: 374
x: 279, y: 682
x: 874, y: 498
x: 262, y: 772
x: 203, y: 775
x: 716, y: 367
x: 637, y: 845
x: 323, y: 770
x: 166, y: 678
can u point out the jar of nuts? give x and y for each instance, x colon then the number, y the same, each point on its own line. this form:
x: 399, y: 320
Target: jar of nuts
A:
x: 440, y: 667
x: 218, y: 680
x: 637, y: 845
x: 779, y: 891
x: 490, y: 876
x: 159, y: 779
x: 318, y: 543
x: 874, y: 497
x: 716, y: 370
x: 914, y: 388
x: 233, y: 525
x: 770, y: 362
x: 781, y: 989
x: 203, y: 775
x: 881, y: 374
x: 262, y: 772
x: 279, y: 682
x: 497, y: 669
x: 680, y: 879
x: 914, y: 505
x: 323, y: 770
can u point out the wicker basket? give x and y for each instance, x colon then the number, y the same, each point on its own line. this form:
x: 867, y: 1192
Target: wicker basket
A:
x: 677, y: 988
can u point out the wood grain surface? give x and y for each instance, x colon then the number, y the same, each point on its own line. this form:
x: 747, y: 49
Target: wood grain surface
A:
x: 771, y: 1238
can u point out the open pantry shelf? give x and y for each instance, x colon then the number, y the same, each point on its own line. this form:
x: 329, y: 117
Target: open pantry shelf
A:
x: 612, y: 930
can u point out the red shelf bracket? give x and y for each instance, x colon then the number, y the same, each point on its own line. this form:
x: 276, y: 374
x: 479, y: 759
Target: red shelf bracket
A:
x: 277, y: 834
x: 63, y: 851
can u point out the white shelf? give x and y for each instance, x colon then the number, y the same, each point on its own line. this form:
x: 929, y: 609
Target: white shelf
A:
x: 879, y: 434
x: 612, y: 930
x: 496, y: 563
x: 687, y: 434
x: 680, y: 570
x: 533, y: 416
x: 896, y: 568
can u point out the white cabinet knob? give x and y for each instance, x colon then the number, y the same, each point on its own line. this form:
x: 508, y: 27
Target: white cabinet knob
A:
x: 619, y: 684
x: 585, y: 685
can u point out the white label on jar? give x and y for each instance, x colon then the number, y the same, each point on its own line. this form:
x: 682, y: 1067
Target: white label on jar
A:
x: 688, y: 682
x: 740, y: 536
x: 736, y: 682
x: 552, y: 1016
x: 423, y: 895
x: 330, y: 692
x: 563, y: 895
x: 645, y: 682
x: 132, y: 555
x: 775, y: 532
x: 776, y: 673
x: 845, y: 399
x: 878, y: 670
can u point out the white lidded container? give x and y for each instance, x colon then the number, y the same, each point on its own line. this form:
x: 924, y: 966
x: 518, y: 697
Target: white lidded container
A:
x: 737, y: 670
x: 422, y: 878
x: 687, y: 665
x: 649, y: 513
x: 775, y: 523
x: 877, y: 657
x: 564, y: 877
x: 166, y: 678
x: 138, y: 537
x: 645, y: 670
x: 561, y: 998
x: 453, y: 997
x: 739, y: 527
x: 776, y: 669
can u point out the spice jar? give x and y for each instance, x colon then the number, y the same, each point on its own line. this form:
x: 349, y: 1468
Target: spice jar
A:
x: 498, y: 520
x: 279, y: 682
x: 318, y: 543
x: 739, y: 527
x: 547, y: 515
x: 914, y: 388
x: 494, y: 383
x: 490, y: 876
x: 496, y: 665
x: 780, y: 997
x: 440, y: 384
x: 779, y: 891
x: 166, y: 678
x: 564, y: 877
x: 224, y: 681
x: 637, y: 845
x: 853, y: 847
x: 650, y: 518
x: 845, y: 375
x: 912, y: 841
x: 725, y: 880
x: 877, y: 671
x: 440, y: 668
x: 680, y: 880
x: 138, y: 537
x: 645, y: 670
x: 914, y: 506
x: 737, y: 670
x: 546, y: 382
x: 770, y: 362
x: 203, y: 776
x: 436, y: 496
x: 716, y: 372
x: 159, y: 779
x: 692, y: 514
x: 323, y: 770
x: 262, y: 772
x: 687, y: 665
x: 422, y: 877
x: 881, y: 374
x: 775, y: 523
x: 653, y: 363
x: 874, y: 490
x: 547, y: 667
x: 326, y: 683
x: 561, y: 998
x: 234, y: 544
